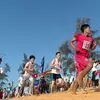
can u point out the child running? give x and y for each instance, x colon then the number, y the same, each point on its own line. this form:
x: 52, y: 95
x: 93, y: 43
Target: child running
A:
x: 84, y: 43
x: 56, y: 66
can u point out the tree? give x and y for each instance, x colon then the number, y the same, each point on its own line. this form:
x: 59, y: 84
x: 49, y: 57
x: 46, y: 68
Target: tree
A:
x: 36, y: 68
x: 47, y: 67
x: 21, y: 67
x: 67, y: 53
x: 4, y: 76
x: 67, y: 57
x: 48, y: 77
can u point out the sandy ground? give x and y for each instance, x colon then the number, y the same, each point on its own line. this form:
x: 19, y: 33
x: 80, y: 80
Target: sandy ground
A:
x: 92, y: 95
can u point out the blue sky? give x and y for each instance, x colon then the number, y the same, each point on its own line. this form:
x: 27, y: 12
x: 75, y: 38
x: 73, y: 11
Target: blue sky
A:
x: 39, y: 27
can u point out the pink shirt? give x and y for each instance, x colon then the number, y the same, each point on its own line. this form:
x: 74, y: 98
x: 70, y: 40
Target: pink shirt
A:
x: 84, y: 44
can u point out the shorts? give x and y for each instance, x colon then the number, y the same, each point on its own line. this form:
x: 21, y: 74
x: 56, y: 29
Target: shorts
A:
x: 55, y: 76
x: 8, y: 92
x: 81, y: 63
x: 36, y: 82
x: 27, y: 79
x: 89, y: 82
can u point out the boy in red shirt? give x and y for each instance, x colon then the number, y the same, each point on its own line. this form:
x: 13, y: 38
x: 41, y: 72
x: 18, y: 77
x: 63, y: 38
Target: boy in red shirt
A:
x: 84, y: 43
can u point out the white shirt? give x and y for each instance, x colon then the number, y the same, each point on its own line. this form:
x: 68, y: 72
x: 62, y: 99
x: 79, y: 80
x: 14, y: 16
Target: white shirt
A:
x: 56, y: 69
x: 29, y: 65
x: 20, y: 81
x: 1, y: 70
x: 71, y: 79
x: 96, y: 67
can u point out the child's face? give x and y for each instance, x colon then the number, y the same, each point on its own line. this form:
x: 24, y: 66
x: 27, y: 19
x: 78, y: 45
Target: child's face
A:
x: 32, y: 60
x: 87, y: 30
x: 58, y: 55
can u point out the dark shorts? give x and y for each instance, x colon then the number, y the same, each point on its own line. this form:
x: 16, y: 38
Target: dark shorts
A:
x: 56, y: 76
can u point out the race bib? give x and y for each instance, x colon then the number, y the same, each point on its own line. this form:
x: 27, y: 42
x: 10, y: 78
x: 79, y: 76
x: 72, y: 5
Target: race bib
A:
x: 86, y: 45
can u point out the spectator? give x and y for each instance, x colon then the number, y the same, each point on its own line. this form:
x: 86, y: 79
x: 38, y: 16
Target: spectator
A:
x: 90, y: 79
x: 1, y: 94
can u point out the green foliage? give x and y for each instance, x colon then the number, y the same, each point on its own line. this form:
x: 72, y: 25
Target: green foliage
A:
x: 4, y: 76
x: 6, y: 68
x: 81, y: 21
x: 21, y: 67
x: 97, y: 39
x: 36, y: 68
x: 65, y: 48
x: 95, y: 55
x: 47, y: 67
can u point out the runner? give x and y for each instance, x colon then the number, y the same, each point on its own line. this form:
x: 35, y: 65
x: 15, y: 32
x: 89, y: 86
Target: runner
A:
x: 84, y: 42
x: 27, y: 76
x: 56, y: 66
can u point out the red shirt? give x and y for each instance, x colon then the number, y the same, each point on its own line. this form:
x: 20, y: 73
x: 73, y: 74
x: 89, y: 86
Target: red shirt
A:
x: 84, y: 44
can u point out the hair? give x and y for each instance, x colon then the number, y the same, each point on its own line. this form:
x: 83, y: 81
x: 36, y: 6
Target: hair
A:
x: 22, y: 72
x: 32, y: 56
x: 57, y: 53
x: 84, y: 26
x: 0, y: 59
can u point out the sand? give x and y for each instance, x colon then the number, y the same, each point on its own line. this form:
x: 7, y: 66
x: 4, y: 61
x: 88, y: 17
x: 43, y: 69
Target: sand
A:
x: 92, y: 95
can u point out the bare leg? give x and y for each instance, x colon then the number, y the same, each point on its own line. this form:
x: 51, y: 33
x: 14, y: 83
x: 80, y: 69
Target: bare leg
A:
x: 31, y: 85
x: 52, y: 86
x: 83, y: 73
x: 75, y: 86
x: 59, y: 82
x: 20, y: 90
x: 85, y: 80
